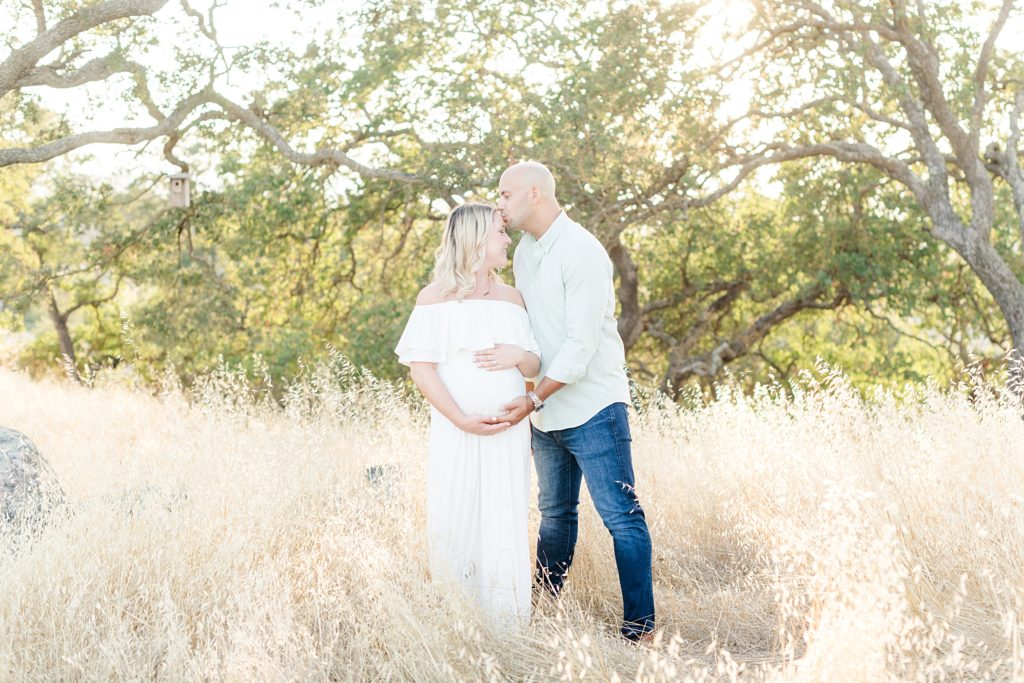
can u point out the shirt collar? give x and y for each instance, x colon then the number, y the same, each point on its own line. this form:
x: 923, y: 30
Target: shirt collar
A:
x: 556, y: 229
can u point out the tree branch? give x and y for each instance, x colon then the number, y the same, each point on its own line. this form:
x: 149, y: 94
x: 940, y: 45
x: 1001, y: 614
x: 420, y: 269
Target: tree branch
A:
x: 857, y: 152
x: 206, y: 27
x: 1011, y: 162
x: 891, y: 325
x: 981, y: 72
x: 171, y: 126
x: 141, y: 90
x: 94, y: 302
x: 913, y: 109
x: 923, y: 61
x: 732, y: 291
x: 707, y: 365
x: 22, y: 60
x: 37, y: 7
x: 98, y: 69
x: 125, y: 136
x: 878, y: 116
x: 322, y: 157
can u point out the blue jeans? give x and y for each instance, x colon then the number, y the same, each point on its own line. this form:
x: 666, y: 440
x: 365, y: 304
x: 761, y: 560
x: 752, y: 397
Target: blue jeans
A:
x: 599, y: 451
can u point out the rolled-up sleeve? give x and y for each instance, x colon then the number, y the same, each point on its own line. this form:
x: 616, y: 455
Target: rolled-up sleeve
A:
x: 587, y: 277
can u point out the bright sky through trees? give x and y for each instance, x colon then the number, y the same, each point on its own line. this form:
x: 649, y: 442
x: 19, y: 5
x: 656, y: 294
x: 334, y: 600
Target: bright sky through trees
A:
x: 239, y: 23
x: 325, y: 143
x: 289, y: 24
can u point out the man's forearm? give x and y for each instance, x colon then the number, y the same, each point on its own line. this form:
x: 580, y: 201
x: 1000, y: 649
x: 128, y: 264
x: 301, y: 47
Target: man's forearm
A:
x: 547, y: 387
x: 522, y: 406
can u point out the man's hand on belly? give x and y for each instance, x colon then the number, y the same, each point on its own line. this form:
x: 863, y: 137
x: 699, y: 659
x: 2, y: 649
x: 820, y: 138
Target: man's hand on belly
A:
x: 514, y: 411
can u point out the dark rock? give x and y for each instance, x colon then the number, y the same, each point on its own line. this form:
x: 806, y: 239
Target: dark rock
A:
x: 384, y: 478
x: 29, y: 490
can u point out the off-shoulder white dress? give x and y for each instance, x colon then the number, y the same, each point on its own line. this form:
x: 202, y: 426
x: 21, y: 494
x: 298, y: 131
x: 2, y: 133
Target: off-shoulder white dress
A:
x: 477, y: 486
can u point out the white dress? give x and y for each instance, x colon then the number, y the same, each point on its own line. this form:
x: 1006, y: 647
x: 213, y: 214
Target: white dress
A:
x: 477, y: 486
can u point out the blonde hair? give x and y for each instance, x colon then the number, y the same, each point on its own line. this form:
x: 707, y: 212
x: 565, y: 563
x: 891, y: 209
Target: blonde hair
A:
x: 463, y: 248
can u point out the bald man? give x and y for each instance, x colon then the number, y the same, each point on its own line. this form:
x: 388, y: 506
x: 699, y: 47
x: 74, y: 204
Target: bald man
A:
x: 578, y: 408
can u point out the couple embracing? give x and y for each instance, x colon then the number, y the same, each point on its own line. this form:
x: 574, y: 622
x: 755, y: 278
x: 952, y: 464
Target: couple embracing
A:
x: 471, y: 343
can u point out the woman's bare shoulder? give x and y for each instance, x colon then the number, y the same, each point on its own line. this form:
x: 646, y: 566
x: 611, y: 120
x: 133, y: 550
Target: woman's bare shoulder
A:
x: 431, y: 294
x: 504, y: 292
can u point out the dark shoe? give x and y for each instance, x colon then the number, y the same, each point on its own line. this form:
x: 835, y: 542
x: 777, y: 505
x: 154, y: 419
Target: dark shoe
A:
x: 640, y: 638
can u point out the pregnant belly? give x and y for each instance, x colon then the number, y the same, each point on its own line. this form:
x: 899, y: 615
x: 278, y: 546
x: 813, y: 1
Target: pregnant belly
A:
x: 479, y: 391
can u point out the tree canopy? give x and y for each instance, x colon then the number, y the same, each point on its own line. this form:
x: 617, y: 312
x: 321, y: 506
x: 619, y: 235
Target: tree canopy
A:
x: 866, y: 206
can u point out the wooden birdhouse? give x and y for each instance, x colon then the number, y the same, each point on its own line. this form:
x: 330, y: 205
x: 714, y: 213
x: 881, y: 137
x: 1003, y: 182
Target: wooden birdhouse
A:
x: 180, y: 195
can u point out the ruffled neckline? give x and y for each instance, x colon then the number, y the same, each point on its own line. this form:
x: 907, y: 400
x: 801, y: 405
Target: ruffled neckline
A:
x: 483, y: 301
x: 434, y: 332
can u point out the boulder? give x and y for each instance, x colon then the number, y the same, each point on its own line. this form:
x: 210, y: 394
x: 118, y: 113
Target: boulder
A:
x: 28, y: 488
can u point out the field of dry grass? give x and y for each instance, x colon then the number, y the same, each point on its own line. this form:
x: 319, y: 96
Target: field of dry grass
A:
x: 218, y: 536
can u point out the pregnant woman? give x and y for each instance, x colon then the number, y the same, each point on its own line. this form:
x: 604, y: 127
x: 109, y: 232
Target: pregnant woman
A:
x: 469, y: 348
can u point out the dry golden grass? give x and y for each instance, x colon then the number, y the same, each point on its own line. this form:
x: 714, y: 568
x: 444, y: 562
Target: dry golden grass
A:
x: 812, y: 538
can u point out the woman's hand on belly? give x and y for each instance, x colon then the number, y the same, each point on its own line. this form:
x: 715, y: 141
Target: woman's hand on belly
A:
x: 499, y: 357
x: 483, y: 425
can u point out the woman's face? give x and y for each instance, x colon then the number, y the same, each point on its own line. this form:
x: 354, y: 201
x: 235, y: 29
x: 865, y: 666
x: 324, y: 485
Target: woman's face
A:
x: 496, y: 253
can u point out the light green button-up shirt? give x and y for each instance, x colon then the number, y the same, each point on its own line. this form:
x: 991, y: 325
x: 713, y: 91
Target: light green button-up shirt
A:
x: 566, y: 280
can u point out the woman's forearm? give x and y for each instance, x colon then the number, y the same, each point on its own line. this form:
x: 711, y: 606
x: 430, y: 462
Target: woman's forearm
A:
x: 529, y: 365
x: 425, y: 376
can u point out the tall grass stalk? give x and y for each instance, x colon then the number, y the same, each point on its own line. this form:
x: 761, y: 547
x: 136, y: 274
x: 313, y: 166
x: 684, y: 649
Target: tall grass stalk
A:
x: 800, y: 535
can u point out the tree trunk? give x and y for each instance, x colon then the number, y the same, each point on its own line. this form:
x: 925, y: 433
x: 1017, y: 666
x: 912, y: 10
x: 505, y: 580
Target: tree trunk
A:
x: 631, y: 321
x: 1000, y: 281
x: 67, y: 345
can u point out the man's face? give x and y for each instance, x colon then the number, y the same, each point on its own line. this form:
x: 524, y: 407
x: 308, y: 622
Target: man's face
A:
x: 514, y: 200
